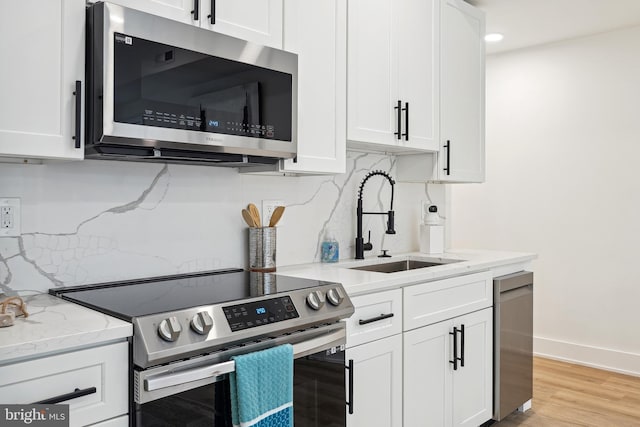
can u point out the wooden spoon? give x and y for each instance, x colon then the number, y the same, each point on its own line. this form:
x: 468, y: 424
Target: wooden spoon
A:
x: 276, y: 215
x: 248, y: 218
x: 253, y: 210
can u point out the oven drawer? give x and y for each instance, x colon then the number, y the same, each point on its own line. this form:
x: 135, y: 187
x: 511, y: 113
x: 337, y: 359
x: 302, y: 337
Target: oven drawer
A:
x: 103, y: 368
x: 377, y: 316
x: 439, y: 300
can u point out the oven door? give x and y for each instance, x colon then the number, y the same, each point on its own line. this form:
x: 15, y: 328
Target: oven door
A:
x: 196, y: 392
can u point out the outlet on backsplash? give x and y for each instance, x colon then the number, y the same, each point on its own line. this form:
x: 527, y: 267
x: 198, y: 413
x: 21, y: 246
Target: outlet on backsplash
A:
x: 9, y: 217
x: 268, y: 206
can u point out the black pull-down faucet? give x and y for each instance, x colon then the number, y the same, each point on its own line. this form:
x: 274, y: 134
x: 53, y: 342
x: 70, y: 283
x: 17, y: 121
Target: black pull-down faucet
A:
x: 361, y: 246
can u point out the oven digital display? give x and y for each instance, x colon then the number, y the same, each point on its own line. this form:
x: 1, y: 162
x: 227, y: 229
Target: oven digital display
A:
x: 250, y: 315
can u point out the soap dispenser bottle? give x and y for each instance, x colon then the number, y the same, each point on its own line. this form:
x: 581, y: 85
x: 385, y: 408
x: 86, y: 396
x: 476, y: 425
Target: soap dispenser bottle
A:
x: 330, y: 249
x: 431, y: 232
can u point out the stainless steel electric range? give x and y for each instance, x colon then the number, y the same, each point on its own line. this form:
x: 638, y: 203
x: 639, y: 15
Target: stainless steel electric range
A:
x: 187, y: 327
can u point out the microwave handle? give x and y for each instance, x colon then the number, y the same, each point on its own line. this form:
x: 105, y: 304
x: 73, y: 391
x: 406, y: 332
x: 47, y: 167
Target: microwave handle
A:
x: 196, y: 10
x: 300, y: 349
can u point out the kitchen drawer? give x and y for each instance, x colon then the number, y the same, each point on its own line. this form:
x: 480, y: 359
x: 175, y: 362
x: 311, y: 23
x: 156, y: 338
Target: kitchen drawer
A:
x: 104, y: 368
x: 439, y: 300
x: 376, y: 316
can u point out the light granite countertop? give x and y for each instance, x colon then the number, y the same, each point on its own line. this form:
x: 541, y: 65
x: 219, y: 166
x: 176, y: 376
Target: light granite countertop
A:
x: 358, y: 282
x: 55, y: 325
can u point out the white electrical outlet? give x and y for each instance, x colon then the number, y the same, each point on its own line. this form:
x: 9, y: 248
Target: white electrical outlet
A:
x: 268, y: 206
x: 9, y: 217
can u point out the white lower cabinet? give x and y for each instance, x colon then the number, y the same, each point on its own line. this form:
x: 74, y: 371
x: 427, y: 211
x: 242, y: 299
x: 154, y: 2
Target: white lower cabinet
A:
x: 97, y: 376
x: 374, y: 349
x: 438, y: 392
x: 377, y: 383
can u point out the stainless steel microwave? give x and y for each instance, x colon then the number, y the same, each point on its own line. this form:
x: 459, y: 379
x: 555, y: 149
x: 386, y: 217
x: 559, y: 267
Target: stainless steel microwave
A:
x: 161, y: 90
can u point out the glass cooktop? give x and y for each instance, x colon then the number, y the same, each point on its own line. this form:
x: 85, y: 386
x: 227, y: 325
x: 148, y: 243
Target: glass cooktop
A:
x: 142, y: 297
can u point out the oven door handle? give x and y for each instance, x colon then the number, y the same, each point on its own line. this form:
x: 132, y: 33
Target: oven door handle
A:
x: 177, y: 378
x: 301, y: 349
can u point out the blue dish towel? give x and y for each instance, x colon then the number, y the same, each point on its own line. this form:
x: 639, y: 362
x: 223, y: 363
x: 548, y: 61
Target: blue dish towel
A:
x: 262, y: 388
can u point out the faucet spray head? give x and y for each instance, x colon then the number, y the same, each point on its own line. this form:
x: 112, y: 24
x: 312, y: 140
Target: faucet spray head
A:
x: 391, y: 223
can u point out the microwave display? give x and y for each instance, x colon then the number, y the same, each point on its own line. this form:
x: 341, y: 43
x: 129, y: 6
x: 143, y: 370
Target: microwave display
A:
x: 165, y: 86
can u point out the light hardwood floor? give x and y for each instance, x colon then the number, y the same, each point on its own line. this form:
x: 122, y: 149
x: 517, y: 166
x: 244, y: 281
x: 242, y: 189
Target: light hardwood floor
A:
x: 572, y: 395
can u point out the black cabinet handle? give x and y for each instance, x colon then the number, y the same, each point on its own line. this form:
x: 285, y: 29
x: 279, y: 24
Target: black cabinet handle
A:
x: 350, y: 401
x: 455, y: 348
x: 196, y: 10
x: 78, y: 94
x: 68, y: 396
x: 375, y: 319
x: 212, y: 15
x: 461, y: 345
x: 406, y: 121
x: 398, y: 108
x: 448, y: 147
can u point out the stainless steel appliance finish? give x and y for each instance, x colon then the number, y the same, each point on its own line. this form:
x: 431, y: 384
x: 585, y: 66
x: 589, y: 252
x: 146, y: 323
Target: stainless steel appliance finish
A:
x: 187, y: 328
x: 150, y: 348
x: 396, y: 266
x: 513, y: 342
x: 110, y: 26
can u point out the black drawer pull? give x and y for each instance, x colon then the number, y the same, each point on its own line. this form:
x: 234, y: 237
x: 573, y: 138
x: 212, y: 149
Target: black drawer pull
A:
x: 78, y: 94
x: 212, y: 15
x: 398, y: 109
x: 73, y: 395
x: 196, y: 10
x: 455, y: 348
x: 461, y: 358
x: 350, y: 402
x: 406, y: 121
x: 375, y: 319
x: 448, y: 147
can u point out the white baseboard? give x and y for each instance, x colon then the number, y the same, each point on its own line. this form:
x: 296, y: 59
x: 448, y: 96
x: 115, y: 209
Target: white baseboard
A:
x: 595, y: 357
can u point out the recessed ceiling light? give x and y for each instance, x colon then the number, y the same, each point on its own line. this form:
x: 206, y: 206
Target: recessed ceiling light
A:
x: 493, y: 37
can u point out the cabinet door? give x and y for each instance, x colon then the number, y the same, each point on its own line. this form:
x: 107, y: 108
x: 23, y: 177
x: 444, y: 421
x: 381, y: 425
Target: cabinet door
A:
x: 462, y: 93
x: 377, y: 383
x: 42, y: 50
x: 418, y: 47
x: 427, y: 376
x: 316, y: 31
x: 177, y: 10
x: 372, y: 77
x: 472, y: 383
x: 258, y: 21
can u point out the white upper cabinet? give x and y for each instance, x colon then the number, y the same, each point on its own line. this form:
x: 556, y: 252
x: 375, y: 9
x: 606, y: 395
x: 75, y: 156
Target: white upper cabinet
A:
x: 461, y: 154
x: 316, y: 31
x: 462, y: 98
x: 258, y: 21
x: 392, y: 78
x: 42, y: 50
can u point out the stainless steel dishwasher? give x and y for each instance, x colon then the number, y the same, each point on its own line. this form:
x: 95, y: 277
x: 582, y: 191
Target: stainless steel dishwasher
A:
x: 513, y: 342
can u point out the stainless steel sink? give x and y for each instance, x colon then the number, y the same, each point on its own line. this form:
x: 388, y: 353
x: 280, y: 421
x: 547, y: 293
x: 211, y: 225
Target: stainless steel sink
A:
x: 396, y: 266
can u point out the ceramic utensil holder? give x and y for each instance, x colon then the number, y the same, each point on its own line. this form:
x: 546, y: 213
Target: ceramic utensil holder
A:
x: 262, y: 249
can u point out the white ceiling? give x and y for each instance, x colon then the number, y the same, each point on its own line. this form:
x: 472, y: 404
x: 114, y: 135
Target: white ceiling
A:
x: 531, y: 22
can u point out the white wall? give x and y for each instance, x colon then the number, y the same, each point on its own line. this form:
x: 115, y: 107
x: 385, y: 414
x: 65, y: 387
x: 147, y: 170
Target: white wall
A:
x: 96, y: 221
x: 563, y: 148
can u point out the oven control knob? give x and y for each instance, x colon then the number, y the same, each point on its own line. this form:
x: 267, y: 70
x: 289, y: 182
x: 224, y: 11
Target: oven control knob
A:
x: 201, y: 323
x: 335, y: 296
x: 169, y: 329
x: 315, y: 300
